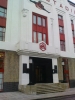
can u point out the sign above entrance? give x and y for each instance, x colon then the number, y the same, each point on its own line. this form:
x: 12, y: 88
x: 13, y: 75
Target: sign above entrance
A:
x: 42, y: 46
x: 39, y: 4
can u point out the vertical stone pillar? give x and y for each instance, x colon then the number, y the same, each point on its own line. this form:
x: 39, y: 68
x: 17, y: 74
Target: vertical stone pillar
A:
x: 55, y: 75
x: 23, y: 77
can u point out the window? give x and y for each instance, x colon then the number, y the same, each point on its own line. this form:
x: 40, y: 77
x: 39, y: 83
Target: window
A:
x: 2, y: 34
x: 60, y: 17
x: 62, y: 45
x: 39, y: 28
x: 74, y: 47
x: 71, y: 21
x: 61, y: 29
x: 3, y: 12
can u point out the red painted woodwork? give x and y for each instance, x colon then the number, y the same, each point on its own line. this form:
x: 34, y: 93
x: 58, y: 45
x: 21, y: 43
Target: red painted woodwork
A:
x: 2, y: 70
x: 39, y: 28
x: 3, y: 3
x: 62, y: 37
x: 60, y: 21
x: 72, y: 25
x: 2, y: 21
x: 74, y: 40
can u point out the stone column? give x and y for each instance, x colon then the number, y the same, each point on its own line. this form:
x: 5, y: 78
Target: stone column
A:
x: 55, y: 75
x: 23, y: 77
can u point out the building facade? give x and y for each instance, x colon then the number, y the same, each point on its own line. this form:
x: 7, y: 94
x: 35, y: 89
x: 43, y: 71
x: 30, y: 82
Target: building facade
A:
x: 37, y: 43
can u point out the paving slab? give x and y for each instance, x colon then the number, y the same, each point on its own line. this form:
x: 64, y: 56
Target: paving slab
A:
x: 22, y: 96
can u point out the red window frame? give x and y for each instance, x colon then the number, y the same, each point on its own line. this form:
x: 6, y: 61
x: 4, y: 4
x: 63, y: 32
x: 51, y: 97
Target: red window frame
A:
x: 62, y: 45
x: 39, y: 28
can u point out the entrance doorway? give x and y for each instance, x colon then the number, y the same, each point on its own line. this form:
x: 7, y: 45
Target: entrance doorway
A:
x: 41, y: 71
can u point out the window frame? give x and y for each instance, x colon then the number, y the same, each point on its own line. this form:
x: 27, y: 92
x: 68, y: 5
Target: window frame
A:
x: 42, y: 26
x: 62, y: 46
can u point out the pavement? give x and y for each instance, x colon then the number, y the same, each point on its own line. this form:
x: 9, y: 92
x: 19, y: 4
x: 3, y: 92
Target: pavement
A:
x: 22, y: 96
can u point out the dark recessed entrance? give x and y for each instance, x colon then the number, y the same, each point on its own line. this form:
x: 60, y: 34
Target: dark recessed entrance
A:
x: 40, y: 71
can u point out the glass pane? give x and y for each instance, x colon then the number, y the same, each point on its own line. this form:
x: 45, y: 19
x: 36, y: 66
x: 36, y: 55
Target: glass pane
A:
x: 34, y: 19
x: 5, y: 15
x: 1, y: 81
x: 35, y: 37
x: 1, y: 9
x: 39, y: 20
x: 1, y: 14
x: 39, y: 37
x: 1, y: 34
x: 1, y: 75
x: 44, y: 38
x: 5, y: 11
x: 1, y: 38
x: 44, y: 24
x: 1, y: 29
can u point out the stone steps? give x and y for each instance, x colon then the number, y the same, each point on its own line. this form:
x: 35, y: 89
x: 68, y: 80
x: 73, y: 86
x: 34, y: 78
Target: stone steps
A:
x: 48, y: 88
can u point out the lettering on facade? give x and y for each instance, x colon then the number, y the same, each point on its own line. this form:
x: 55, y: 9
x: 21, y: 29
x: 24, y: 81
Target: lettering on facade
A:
x: 66, y: 8
x: 42, y: 46
x: 39, y: 5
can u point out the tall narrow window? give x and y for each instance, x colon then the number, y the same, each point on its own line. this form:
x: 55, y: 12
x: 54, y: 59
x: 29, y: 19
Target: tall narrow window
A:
x: 62, y: 45
x: 34, y: 37
x: 39, y: 37
x: 39, y: 21
x: 39, y: 28
x: 44, y: 24
x: 34, y: 19
x: 44, y: 38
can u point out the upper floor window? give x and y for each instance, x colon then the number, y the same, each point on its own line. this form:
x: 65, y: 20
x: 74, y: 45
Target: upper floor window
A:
x: 39, y: 28
x: 62, y: 45
x: 61, y: 29
x: 71, y: 21
x: 60, y: 17
x: 3, y: 12
x: 2, y: 34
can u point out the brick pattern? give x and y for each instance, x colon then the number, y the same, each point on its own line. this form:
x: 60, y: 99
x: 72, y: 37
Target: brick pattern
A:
x: 11, y: 67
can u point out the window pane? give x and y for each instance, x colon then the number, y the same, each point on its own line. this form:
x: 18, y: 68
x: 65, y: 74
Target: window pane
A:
x: 1, y: 75
x: 1, y: 81
x: 1, y: 14
x: 44, y: 24
x: 39, y: 20
x: 1, y: 29
x: 1, y: 34
x: 60, y: 17
x: 39, y: 37
x: 1, y: 38
x: 1, y: 9
x: 34, y: 37
x: 34, y: 19
x: 5, y: 11
x: 44, y: 38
